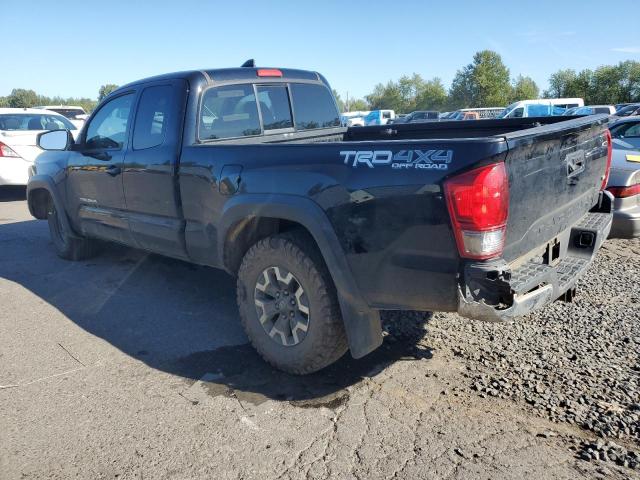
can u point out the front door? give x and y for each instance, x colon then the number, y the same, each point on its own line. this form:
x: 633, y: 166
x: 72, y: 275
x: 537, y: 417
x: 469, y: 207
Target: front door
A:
x: 94, y: 184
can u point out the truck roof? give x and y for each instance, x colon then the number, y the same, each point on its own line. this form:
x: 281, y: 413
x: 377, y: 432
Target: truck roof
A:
x: 240, y: 74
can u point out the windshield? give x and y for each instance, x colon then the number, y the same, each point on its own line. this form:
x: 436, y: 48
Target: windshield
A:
x: 506, y: 111
x: 34, y: 121
x: 628, y: 110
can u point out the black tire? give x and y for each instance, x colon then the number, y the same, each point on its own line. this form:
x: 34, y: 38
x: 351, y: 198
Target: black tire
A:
x: 324, y: 340
x: 66, y: 244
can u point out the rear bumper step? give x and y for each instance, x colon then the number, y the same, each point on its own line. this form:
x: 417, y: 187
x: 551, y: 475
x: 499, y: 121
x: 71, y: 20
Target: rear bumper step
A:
x: 500, y: 292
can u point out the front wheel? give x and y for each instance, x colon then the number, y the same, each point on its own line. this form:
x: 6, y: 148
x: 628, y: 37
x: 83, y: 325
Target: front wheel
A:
x: 288, y: 305
x: 66, y: 244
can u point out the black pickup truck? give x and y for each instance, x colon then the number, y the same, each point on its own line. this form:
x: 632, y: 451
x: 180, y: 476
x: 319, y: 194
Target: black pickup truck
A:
x: 248, y: 170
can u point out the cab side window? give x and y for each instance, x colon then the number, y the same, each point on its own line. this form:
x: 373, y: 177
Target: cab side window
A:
x: 313, y: 107
x: 108, y: 129
x: 152, y: 117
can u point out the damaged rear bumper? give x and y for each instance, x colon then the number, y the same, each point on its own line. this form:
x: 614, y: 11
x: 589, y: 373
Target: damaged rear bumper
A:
x: 498, y: 291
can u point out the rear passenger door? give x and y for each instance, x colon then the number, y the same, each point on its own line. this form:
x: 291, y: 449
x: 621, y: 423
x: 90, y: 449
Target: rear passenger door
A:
x: 150, y: 167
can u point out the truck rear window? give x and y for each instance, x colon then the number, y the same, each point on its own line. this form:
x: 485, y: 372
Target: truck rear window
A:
x: 228, y: 112
x: 274, y: 107
x: 232, y: 111
x: 313, y: 107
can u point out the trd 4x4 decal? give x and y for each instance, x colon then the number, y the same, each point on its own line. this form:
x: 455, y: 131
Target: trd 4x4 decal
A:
x: 423, y: 159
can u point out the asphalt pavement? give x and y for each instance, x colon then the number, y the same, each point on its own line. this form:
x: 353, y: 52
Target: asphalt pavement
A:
x: 131, y: 365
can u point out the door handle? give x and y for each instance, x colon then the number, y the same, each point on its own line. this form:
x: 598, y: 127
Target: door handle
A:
x: 98, y: 155
x: 113, y: 171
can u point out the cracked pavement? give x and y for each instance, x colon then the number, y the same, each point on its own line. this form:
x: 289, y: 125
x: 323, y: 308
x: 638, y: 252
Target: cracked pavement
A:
x: 134, y: 366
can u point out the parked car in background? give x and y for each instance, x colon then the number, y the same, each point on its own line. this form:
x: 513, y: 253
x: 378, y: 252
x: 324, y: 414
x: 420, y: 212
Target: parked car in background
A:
x: 624, y: 179
x: 629, y: 110
x: 570, y: 111
x: 379, y: 117
x: 468, y: 116
x: 418, y: 116
x: 353, y: 119
x: 622, y: 105
x: 593, y: 109
x: 75, y: 114
x: 485, y: 112
x: 19, y: 129
x: 542, y: 107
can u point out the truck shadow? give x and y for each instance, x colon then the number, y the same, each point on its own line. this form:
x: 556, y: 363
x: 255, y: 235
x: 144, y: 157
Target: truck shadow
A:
x: 11, y: 193
x: 182, y: 319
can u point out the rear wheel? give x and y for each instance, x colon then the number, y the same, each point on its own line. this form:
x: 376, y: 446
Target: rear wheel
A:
x: 67, y: 245
x: 288, y: 305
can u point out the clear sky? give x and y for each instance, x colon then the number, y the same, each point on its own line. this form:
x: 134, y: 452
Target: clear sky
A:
x: 71, y: 47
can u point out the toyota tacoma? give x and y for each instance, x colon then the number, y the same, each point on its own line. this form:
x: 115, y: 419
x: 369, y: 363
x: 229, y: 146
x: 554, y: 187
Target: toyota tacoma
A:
x: 249, y: 170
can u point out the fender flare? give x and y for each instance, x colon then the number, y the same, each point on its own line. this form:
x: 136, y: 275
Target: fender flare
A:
x: 362, y: 323
x: 45, y: 182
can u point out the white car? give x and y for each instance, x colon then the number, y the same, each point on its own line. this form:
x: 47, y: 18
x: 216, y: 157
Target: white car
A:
x: 19, y: 129
x: 75, y: 114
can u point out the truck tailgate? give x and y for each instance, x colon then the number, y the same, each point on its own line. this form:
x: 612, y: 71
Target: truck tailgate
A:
x: 555, y: 175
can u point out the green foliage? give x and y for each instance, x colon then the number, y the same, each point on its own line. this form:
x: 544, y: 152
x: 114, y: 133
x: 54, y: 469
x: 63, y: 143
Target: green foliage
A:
x: 358, y: 105
x: 106, y: 90
x: 432, y: 96
x: 482, y: 83
x: 524, y: 88
x: 408, y: 94
x: 353, y: 105
x: 608, y: 84
x: 22, y: 98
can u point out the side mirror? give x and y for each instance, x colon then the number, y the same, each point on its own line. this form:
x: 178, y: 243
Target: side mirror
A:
x: 55, y: 140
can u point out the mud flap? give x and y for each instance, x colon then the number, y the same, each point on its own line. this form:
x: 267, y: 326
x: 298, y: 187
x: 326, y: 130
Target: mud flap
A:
x: 363, y: 327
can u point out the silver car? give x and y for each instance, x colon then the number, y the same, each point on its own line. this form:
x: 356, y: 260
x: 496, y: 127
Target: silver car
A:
x: 624, y: 179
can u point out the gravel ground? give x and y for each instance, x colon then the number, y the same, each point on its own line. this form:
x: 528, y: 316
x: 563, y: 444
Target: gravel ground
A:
x: 576, y: 363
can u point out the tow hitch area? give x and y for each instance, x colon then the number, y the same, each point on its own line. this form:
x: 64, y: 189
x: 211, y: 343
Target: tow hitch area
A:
x: 497, y: 291
x: 585, y: 239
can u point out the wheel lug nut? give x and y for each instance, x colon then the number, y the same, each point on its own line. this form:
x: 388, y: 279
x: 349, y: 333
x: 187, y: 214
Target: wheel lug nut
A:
x: 293, y: 302
x: 291, y: 314
x: 277, y: 294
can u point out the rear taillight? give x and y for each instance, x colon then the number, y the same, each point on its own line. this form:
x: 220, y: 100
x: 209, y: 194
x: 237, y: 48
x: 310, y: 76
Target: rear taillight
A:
x: 624, y: 192
x: 6, y: 151
x: 478, y: 203
x: 605, y: 179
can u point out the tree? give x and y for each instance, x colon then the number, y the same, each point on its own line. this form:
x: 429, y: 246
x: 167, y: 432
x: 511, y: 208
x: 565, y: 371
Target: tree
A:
x: 409, y: 93
x: 349, y: 105
x: 524, y: 88
x: 607, y: 84
x: 432, y: 96
x: 21, y: 98
x: 358, y: 105
x: 483, y: 83
x: 560, y: 83
x: 106, y: 90
x: 386, y: 96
